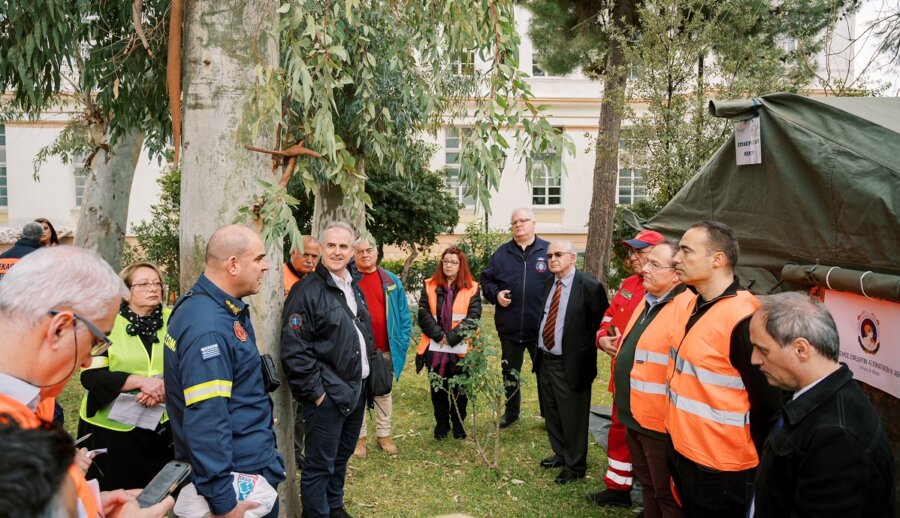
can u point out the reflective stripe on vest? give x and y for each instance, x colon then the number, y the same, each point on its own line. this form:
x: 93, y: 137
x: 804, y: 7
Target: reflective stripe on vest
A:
x: 651, y: 361
x: 127, y: 354
x: 708, y: 415
x: 460, y: 308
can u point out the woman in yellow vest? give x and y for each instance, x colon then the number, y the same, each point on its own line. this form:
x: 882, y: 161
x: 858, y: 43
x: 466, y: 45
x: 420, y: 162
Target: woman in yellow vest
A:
x: 130, y: 371
x: 449, y: 304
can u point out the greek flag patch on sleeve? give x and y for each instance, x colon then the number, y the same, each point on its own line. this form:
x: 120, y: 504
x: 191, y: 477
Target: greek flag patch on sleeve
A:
x: 209, y: 351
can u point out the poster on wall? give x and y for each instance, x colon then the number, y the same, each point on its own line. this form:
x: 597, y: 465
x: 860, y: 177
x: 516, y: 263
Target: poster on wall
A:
x: 870, y: 338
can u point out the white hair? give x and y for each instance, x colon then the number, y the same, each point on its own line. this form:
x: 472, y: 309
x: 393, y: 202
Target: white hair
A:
x: 369, y: 240
x: 59, y: 277
x: 527, y: 210
x: 342, y: 225
x: 570, y: 248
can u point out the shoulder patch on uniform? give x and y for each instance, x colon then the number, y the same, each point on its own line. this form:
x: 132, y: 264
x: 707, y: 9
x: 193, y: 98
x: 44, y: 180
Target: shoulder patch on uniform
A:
x: 541, y: 265
x: 169, y: 342
x: 295, y: 321
x: 209, y: 351
x: 239, y: 331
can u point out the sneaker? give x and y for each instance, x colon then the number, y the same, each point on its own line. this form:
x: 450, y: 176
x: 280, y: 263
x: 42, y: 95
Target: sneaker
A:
x: 360, y: 450
x: 386, y: 444
x: 610, y: 498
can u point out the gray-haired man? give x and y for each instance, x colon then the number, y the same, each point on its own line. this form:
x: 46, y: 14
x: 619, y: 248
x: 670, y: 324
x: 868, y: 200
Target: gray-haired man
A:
x: 827, y: 454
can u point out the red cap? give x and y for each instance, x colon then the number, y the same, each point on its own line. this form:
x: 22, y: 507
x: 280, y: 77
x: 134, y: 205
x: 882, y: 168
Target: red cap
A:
x: 644, y: 239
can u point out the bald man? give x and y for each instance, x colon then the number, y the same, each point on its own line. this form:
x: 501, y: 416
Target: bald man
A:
x: 220, y: 412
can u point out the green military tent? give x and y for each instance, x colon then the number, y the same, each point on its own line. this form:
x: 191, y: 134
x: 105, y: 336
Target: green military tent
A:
x: 822, y: 207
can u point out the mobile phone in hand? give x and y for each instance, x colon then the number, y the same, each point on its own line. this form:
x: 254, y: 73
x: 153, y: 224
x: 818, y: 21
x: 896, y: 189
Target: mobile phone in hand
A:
x: 169, y: 478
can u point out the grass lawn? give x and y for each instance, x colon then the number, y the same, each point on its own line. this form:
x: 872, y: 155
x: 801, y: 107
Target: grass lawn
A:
x: 428, y: 477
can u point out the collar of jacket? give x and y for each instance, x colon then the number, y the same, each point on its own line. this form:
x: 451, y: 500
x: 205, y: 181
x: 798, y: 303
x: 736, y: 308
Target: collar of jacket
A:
x: 797, y: 410
x: 730, y: 291
x: 538, y: 244
x: 325, y: 274
x: 233, y: 305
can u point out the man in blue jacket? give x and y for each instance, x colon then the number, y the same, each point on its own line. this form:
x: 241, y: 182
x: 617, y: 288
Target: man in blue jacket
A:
x: 220, y: 412
x: 514, y: 282
x: 391, y: 326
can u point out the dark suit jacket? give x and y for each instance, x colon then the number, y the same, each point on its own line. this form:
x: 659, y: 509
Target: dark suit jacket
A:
x: 587, y: 303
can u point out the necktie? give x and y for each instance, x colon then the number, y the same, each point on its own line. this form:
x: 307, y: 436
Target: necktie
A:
x: 549, y: 333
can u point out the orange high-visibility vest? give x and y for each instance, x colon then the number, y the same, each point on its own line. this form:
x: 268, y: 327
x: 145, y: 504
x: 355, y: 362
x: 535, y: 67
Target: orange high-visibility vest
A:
x: 6, y: 264
x: 290, y: 278
x: 26, y: 419
x: 460, y: 308
x: 651, y: 361
x: 708, y: 414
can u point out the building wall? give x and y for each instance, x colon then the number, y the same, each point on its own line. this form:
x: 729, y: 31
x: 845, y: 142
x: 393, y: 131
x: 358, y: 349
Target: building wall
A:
x: 52, y: 194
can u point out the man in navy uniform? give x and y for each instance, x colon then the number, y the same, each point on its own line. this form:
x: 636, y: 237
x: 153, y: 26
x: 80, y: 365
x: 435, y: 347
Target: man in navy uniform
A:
x: 220, y: 412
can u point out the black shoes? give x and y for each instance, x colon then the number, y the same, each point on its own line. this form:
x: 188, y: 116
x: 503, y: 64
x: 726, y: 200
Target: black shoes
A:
x: 553, y: 461
x: 610, y: 498
x: 340, y: 513
x: 459, y: 433
x: 441, y: 432
x: 565, y: 476
x: 506, y: 421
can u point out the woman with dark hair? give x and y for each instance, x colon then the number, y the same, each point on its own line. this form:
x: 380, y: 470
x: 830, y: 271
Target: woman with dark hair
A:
x: 131, y: 368
x: 49, y: 237
x: 449, y: 308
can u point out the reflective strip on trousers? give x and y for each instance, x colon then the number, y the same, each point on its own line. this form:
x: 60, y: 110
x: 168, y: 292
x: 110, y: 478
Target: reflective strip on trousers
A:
x: 619, y: 465
x: 708, y: 377
x: 738, y: 419
x: 648, y: 387
x: 619, y: 479
x: 642, y: 355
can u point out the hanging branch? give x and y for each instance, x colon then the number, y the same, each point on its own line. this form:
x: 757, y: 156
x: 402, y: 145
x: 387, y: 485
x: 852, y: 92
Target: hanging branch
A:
x: 289, y: 158
x: 136, y: 8
x: 173, y: 73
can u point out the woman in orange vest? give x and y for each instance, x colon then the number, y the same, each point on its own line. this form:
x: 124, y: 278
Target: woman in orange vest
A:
x: 449, y: 310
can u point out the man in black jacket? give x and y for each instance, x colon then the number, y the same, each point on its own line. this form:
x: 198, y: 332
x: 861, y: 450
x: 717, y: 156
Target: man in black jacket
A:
x: 326, y: 343
x: 827, y: 454
x: 31, y: 241
x: 514, y: 280
x: 566, y: 360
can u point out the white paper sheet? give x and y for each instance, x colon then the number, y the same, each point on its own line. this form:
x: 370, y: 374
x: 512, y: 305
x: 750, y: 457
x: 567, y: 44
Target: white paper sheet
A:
x: 460, y: 348
x: 126, y: 410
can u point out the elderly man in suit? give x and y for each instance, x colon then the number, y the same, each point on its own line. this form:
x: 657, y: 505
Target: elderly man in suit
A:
x: 566, y: 359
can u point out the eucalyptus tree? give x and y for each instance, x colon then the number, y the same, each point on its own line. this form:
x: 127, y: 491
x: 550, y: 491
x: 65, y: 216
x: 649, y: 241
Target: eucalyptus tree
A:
x: 102, y: 56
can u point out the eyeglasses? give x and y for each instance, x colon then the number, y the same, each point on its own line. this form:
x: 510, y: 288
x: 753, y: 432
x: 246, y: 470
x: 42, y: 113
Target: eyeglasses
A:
x: 559, y: 255
x: 103, y: 341
x: 453, y: 263
x: 521, y: 221
x: 147, y: 285
x: 656, y: 267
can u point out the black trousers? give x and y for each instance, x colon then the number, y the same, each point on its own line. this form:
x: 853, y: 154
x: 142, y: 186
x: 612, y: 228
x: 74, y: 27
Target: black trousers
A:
x: 330, y: 439
x: 450, y: 406
x: 709, y: 493
x: 512, y: 355
x: 565, y: 412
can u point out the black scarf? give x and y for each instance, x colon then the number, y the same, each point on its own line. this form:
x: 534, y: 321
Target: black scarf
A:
x: 144, y: 326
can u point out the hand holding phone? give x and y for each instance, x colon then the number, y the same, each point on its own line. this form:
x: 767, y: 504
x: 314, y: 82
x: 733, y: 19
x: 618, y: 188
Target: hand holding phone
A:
x: 169, y: 478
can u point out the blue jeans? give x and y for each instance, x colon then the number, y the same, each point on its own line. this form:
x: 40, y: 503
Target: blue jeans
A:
x: 330, y: 439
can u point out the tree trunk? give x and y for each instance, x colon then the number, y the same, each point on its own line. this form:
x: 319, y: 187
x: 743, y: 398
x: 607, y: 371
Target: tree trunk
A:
x: 331, y: 206
x: 601, y: 219
x: 223, y: 41
x: 103, y: 218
